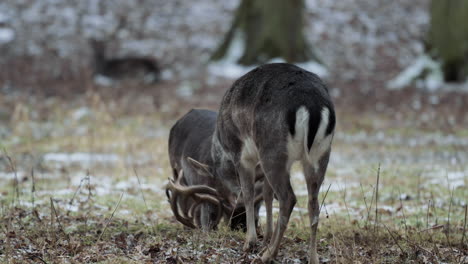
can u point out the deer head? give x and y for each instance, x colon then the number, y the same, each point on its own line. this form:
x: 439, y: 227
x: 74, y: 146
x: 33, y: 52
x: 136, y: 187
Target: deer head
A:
x: 197, y: 196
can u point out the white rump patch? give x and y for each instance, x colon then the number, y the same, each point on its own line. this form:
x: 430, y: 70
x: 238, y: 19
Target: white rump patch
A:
x: 322, y: 141
x: 296, y: 144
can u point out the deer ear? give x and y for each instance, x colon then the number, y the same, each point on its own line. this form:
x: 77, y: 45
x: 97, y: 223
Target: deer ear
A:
x: 199, y: 167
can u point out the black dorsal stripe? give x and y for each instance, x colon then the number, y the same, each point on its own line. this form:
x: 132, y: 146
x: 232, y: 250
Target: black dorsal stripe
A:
x: 314, y: 122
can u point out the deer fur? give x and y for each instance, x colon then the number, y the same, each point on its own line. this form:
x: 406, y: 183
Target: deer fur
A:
x: 275, y: 115
x: 190, y: 139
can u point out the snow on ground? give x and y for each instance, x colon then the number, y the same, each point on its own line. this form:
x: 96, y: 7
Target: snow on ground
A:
x: 349, y: 36
x: 80, y: 157
x: 6, y: 35
x: 422, y: 65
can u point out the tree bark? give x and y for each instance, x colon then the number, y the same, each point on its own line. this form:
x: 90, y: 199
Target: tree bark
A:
x: 448, y: 37
x: 268, y: 29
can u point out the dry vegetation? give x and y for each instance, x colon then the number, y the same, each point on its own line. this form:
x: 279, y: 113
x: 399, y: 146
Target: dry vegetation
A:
x: 83, y: 178
x: 83, y: 168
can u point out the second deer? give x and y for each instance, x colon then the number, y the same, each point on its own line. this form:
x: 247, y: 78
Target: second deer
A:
x: 135, y: 68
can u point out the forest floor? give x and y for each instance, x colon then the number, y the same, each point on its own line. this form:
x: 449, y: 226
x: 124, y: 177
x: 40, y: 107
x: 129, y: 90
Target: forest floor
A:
x: 82, y: 180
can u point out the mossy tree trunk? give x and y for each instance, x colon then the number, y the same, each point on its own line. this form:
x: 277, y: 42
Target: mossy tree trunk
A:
x: 268, y: 29
x: 448, y: 37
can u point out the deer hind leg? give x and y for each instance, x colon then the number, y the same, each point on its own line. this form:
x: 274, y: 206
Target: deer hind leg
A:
x: 277, y: 174
x: 268, y: 198
x: 246, y: 169
x: 314, y: 177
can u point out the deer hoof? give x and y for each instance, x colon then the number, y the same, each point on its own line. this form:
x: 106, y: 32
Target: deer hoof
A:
x: 266, y: 238
x: 314, y: 259
x: 248, y: 245
x: 267, y: 258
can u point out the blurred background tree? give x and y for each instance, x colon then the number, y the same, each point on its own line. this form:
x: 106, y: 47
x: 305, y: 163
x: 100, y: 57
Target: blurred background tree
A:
x: 448, y: 37
x: 268, y: 29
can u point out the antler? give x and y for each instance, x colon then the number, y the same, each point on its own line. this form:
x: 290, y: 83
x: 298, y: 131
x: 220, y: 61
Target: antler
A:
x: 179, y: 194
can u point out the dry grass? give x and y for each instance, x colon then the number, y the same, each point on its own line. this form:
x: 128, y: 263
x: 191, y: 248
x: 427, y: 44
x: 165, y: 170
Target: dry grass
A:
x: 110, y: 207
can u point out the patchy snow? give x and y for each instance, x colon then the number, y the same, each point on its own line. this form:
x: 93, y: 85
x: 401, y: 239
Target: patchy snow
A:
x: 451, y: 179
x: 72, y: 207
x: 7, y: 175
x: 426, y: 139
x: 228, y: 70
x: 55, y: 192
x: 185, y: 89
x: 81, y: 157
x: 7, y: 35
x: 232, y: 70
x: 336, y: 208
x: 103, y: 80
x: 228, y: 67
x: 262, y: 211
x: 424, y: 70
x: 81, y: 113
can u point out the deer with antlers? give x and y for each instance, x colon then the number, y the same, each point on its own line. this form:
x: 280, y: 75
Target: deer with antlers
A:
x: 196, y: 196
x: 271, y: 117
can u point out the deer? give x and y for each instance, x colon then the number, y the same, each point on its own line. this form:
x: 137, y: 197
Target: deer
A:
x: 197, y: 197
x: 123, y: 68
x: 273, y: 116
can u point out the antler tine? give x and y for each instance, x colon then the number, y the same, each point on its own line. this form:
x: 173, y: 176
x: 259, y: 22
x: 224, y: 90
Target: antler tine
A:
x: 201, y: 198
x: 178, y: 194
x: 173, y: 196
x: 175, y: 209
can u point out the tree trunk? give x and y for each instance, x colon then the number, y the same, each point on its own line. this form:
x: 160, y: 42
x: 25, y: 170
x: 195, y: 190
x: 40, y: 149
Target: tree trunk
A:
x: 268, y: 29
x: 448, y: 37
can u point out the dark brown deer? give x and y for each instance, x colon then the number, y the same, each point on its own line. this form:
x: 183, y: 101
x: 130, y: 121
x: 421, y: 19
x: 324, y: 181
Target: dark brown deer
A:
x: 196, y: 196
x: 143, y: 69
x: 274, y: 115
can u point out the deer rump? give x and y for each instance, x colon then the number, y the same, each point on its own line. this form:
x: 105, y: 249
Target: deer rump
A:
x: 196, y: 194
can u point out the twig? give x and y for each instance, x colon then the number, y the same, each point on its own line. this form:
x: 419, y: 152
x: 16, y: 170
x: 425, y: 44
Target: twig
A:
x: 427, y: 213
x: 431, y: 228
x: 346, y: 206
x: 32, y: 257
x: 16, y: 181
x: 33, y: 189
x: 110, y: 218
x: 235, y: 206
x: 324, y: 197
x: 76, y: 191
x: 377, y: 199
x: 365, y: 203
x: 447, y: 234
x: 394, y: 239
x: 88, y: 175
x: 464, y: 226
x: 58, y: 218
x: 403, y: 213
x: 143, y: 196
x: 421, y: 248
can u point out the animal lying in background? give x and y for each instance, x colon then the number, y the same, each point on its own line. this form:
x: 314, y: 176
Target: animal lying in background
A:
x: 198, y: 199
x: 141, y: 69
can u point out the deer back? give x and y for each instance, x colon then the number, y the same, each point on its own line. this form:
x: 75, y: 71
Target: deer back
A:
x: 191, y: 136
x: 273, y: 106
